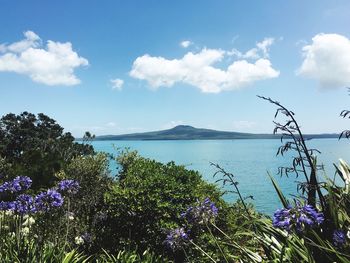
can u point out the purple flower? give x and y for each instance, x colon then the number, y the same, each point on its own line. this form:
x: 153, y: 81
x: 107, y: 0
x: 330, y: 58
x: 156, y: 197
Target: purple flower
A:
x: 176, y: 238
x: 20, y: 183
x: 47, y: 200
x: 203, y: 213
x: 298, y: 217
x: 282, y: 219
x: 4, y: 187
x: 24, y: 204
x: 5, y: 206
x: 69, y: 186
x: 339, y: 238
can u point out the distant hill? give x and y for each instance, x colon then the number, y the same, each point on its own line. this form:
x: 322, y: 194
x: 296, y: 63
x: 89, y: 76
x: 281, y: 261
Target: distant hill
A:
x: 186, y: 132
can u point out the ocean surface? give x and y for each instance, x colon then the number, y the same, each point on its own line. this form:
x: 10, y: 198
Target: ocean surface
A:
x: 249, y: 161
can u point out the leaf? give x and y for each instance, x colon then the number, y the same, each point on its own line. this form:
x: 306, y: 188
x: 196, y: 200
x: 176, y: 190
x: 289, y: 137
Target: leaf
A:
x: 284, y: 200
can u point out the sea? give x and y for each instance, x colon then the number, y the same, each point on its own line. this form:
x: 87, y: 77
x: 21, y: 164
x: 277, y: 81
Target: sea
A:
x: 250, y: 161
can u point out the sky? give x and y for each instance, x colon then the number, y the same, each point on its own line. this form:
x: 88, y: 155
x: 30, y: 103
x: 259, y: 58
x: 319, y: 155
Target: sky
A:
x: 115, y: 67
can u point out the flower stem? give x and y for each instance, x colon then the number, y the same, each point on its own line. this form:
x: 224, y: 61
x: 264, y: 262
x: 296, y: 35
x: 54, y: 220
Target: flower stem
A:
x: 216, y: 242
x: 200, y: 249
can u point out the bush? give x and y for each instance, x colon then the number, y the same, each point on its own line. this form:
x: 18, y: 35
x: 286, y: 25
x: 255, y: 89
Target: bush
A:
x: 148, y: 201
x: 82, y: 214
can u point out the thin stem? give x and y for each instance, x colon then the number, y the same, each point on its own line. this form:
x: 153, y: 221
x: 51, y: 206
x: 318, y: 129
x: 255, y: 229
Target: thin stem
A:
x: 188, y: 259
x: 216, y: 242
x: 200, y: 249
x: 222, y: 232
x: 67, y: 229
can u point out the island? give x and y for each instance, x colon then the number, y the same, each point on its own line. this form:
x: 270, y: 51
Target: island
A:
x: 187, y: 132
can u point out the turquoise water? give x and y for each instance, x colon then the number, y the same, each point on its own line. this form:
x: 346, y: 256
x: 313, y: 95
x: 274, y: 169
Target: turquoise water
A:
x: 248, y: 160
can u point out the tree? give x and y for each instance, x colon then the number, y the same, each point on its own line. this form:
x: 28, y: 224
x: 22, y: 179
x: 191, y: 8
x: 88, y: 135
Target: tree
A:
x: 36, y: 146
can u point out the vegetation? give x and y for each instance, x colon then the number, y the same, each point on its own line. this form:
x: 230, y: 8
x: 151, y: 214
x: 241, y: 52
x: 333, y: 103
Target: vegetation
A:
x: 60, y: 202
x: 36, y: 146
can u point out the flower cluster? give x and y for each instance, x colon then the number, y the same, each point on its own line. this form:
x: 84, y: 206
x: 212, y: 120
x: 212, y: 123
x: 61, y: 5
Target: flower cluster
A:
x: 68, y: 186
x: 20, y: 183
x: 298, y: 217
x: 44, y: 201
x: 201, y: 214
x: 176, y: 238
x: 339, y: 238
x: 24, y: 204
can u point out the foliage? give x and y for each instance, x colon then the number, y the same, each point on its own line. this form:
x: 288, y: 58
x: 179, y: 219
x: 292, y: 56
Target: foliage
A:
x: 305, y: 161
x: 36, y: 146
x: 81, y: 219
x: 154, y: 212
x: 148, y: 201
x: 129, y: 256
x: 318, y: 230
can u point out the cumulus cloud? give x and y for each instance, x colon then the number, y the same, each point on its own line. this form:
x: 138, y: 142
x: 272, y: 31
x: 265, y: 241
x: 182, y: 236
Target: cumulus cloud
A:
x: 327, y: 60
x: 185, y: 43
x: 260, y: 51
x: 53, y: 64
x: 198, y: 69
x: 117, y: 84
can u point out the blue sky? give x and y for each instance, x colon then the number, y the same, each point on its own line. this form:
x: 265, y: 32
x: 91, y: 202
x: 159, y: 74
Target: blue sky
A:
x: 114, y: 67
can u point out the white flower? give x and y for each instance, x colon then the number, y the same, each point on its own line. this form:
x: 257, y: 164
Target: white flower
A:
x: 79, y: 240
x: 348, y: 234
x: 9, y: 213
x: 29, y: 221
x: 25, y: 231
x: 70, y: 216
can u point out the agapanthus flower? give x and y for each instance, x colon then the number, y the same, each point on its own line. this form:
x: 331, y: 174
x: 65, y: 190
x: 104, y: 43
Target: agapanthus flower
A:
x: 48, y: 199
x: 4, y: 187
x: 18, y: 184
x: 68, y: 186
x: 298, y: 218
x: 339, y: 238
x: 176, y: 238
x: 7, y: 206
x: 24, y: 204
x: 201, y: 214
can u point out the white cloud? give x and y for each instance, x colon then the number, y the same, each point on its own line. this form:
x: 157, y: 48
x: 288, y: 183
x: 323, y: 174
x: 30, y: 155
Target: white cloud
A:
x: 264, y: 46
x: 327, y: 60
x: 197, y: 69
x: 117, y: 84
x: 51, y: 65
x: 186, y: 43
x: 260, y: 51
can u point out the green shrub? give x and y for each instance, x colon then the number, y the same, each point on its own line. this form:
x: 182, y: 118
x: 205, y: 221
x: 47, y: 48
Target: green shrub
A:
x: 79, y: 216
x: 148, y: 201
